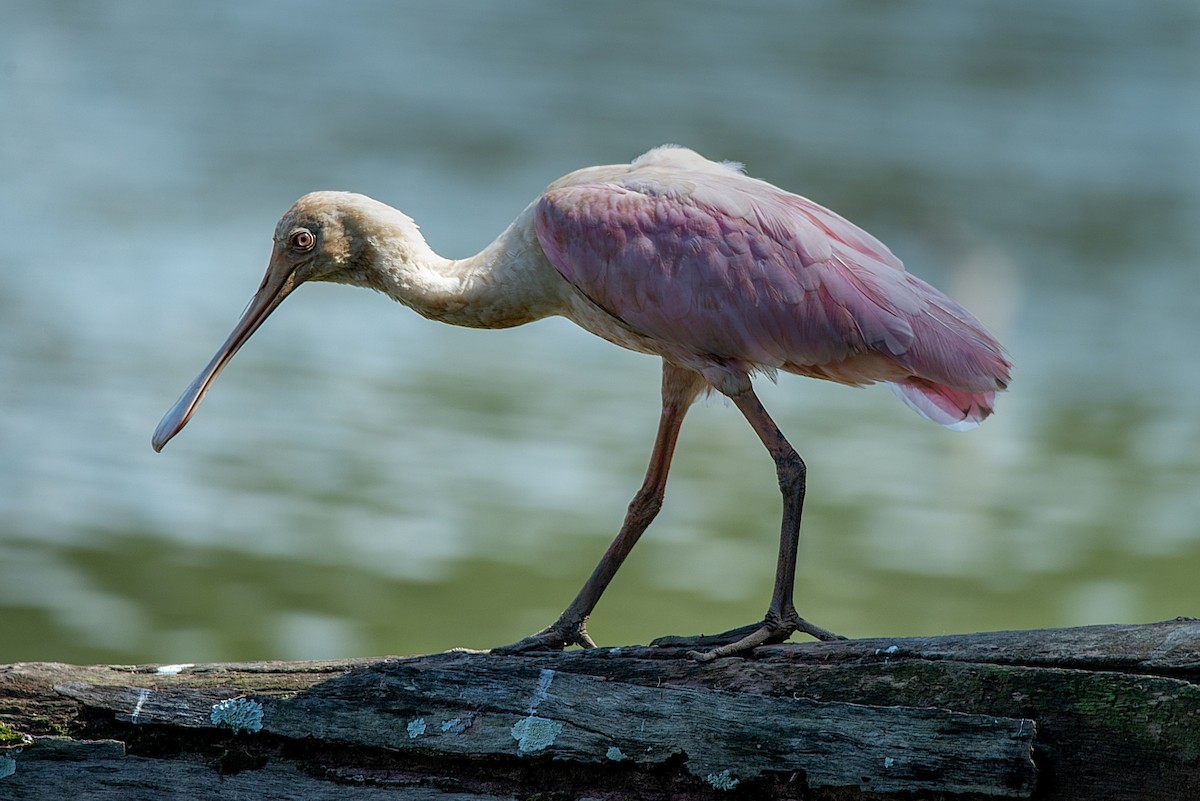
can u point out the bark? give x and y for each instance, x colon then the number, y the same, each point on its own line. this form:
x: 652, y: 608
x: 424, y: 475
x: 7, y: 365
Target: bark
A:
x: 1101, y: 712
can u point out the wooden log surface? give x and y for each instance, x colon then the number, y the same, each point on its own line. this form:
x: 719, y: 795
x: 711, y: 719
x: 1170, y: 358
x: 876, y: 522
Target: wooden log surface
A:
x: 1100, y: 712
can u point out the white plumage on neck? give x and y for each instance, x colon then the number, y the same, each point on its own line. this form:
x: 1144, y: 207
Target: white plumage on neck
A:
x: 508, y: 283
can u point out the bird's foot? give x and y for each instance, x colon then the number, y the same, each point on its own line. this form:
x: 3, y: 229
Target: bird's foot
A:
x: 563, y: 632
x: 773, y: 629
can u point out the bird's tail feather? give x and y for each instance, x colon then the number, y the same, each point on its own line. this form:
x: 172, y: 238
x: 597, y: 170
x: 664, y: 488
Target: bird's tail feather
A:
x: 956, y: 409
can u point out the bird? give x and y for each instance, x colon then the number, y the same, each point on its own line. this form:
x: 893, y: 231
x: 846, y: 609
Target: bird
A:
x: 722, y: 276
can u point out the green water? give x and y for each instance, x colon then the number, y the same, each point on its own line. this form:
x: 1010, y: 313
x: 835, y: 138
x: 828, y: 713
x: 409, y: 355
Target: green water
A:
x: 362, y: 481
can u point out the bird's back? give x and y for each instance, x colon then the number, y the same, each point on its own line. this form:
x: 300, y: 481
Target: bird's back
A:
x: 721, y: 272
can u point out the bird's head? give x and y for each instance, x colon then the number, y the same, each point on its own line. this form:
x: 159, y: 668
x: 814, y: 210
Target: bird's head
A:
x: 340, y: 237
x: 324, y: 236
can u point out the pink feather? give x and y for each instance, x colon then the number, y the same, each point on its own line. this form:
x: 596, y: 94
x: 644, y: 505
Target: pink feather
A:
x: 721, y: 270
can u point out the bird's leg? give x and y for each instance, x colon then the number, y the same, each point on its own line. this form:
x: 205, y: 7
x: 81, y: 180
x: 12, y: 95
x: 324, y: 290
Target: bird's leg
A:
x: 781, y: 620
x: 679, y: 389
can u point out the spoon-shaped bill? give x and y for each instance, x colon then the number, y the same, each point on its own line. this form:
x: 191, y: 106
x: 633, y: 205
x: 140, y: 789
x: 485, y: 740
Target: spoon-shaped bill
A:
x: 276, y: 285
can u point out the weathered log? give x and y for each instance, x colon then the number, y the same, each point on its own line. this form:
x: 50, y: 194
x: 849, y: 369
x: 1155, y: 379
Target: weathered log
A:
x: 1102, y: 712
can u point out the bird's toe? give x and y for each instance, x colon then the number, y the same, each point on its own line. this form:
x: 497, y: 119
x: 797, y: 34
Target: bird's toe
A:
x: 562, y: 634
x: 774, y: 629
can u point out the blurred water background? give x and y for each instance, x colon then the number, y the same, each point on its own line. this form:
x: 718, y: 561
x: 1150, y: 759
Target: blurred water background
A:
x: 362, y: 481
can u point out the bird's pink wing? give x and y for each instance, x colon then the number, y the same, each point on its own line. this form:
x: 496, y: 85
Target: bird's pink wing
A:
x: 745, y: 272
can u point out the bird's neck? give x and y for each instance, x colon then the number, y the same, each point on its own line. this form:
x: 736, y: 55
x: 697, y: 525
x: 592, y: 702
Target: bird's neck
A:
x: 508, y: 283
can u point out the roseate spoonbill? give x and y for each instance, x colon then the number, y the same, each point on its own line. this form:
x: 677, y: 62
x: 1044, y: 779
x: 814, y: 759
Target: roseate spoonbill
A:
x: 721, y: 275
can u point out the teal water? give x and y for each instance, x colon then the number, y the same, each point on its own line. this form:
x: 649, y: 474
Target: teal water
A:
x: 362, y: 481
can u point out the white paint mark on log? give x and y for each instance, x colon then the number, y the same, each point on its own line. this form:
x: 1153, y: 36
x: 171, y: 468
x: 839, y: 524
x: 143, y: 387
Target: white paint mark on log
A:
x: 545, y: 679
x: 416, y: 728
x: 174, y: 670
x: 615, y: 754
x: 143, y: 695
x: 888, y: 762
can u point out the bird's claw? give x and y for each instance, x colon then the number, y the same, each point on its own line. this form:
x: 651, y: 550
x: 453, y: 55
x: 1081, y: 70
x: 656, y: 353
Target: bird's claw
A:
x: 773, y: 629
x: 562, y: 633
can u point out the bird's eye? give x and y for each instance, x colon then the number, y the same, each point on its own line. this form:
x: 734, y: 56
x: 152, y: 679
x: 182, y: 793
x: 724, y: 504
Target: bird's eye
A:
x: 302, y: 240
